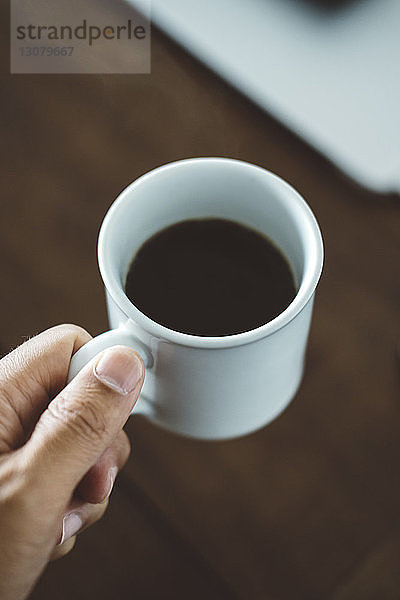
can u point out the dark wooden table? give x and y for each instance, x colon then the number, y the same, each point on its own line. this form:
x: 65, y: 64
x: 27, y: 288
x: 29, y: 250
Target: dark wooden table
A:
x: 307, y: 508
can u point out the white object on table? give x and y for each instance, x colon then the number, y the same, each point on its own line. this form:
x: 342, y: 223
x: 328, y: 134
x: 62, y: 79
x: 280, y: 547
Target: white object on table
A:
x: 330, y: 74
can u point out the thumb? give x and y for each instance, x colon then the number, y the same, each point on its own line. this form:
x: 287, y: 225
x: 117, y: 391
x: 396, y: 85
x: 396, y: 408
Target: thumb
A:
x: 82, y: 421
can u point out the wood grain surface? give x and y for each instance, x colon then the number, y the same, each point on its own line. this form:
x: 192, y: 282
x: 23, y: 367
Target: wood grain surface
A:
x: 307, y: 508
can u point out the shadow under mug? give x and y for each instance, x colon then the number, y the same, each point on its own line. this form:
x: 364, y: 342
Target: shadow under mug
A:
x: 210, y: 387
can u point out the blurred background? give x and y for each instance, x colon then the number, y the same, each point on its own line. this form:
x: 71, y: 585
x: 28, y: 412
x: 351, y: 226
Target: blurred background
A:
x: 306, y: 508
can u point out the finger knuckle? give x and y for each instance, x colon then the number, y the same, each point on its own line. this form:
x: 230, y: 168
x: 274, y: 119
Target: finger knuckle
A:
x: 70, y: 330
x: 14, y: 484
x: 81, y: 416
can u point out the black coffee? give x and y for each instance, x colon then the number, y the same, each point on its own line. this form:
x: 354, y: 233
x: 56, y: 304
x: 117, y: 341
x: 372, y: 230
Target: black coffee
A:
x: 210, y: 277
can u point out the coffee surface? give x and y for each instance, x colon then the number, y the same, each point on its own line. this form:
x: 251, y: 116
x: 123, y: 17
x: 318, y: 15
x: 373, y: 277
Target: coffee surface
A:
x: 210, y: 277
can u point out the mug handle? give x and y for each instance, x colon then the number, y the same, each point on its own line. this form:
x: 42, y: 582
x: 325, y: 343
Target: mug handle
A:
x: 115, y: 337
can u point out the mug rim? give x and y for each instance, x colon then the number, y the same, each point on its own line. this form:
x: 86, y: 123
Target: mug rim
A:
x: 306, y: 289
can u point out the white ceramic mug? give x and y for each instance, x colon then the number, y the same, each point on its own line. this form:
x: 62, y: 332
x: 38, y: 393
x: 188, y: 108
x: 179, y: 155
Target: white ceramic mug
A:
x: 210, y: 387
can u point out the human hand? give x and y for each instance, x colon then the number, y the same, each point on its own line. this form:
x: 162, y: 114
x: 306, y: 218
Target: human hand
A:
x: 60, y: 448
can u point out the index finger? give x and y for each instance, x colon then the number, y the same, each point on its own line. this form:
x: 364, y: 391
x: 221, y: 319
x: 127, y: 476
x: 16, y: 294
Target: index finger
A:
x: 31, y: 375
